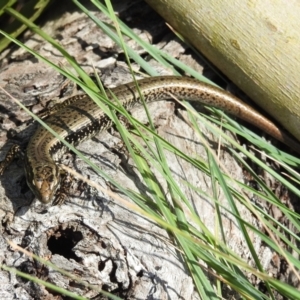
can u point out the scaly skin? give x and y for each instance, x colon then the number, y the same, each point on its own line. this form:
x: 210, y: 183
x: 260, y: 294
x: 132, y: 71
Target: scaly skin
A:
x: 81, y: 118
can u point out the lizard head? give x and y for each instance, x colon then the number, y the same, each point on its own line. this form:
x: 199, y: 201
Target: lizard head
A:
x: 44, y: 180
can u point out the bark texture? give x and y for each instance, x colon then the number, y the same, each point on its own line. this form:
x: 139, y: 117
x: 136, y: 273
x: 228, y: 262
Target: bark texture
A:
x: 102, y: 241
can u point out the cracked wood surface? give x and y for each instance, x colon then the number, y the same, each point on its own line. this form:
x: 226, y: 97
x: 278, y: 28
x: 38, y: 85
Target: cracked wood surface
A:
x: 91, y: 235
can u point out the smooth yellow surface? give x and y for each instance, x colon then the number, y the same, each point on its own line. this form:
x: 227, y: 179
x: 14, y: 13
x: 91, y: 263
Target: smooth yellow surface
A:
x: 255, y: 43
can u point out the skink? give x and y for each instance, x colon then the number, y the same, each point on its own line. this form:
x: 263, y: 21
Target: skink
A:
x: 82, y: 118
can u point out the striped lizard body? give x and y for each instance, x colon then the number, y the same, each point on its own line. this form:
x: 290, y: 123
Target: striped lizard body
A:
x: 82, y: 118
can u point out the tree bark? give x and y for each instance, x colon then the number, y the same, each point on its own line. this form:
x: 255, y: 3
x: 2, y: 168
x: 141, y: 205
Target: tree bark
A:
x: 103, y: 241
x: 256, y: 44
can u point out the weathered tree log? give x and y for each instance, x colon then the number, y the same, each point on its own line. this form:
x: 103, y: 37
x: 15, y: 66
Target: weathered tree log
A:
x: 256, y: 44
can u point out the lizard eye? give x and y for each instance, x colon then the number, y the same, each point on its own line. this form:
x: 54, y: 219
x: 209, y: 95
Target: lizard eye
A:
x: 51, y: 178
x: 39, y: 179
